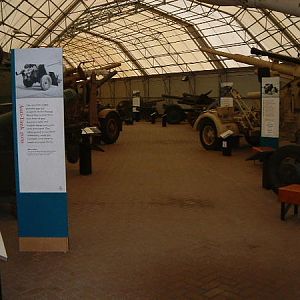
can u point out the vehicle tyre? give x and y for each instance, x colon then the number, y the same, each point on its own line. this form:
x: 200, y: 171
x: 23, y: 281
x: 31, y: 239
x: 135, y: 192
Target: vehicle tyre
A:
x: 45, y: 82
x: 252, y: 140
x: 209, y: 135
x: 27, y: 83
x: 110, y: 128
x: 175, y: 114
x: 192, y: 117
x: 284, y: 166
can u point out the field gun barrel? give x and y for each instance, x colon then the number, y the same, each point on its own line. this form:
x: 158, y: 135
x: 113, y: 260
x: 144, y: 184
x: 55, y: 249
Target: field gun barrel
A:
x: 106, y: 78
x: 276, y: 56
x: 171, y: 97
x: 281, y: 68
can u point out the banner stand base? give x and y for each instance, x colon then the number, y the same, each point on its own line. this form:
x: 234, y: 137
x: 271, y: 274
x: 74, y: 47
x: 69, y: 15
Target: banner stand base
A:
x: 41, y: 244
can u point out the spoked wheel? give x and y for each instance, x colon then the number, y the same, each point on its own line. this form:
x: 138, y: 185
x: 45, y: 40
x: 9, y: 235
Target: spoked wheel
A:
x: 45, y: 82
x: 175, y: 114
x: 252, y: 140
x: 110, y: 128
x: 208, y: 135
x: 284, y: 166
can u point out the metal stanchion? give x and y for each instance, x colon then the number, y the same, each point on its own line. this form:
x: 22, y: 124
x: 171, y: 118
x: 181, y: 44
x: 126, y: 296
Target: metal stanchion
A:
x: 164, y: 120
x: 85, y: 155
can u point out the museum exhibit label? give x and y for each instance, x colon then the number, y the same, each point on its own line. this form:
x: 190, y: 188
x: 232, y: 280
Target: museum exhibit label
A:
x: 270, y: 111
x: 39, y: 149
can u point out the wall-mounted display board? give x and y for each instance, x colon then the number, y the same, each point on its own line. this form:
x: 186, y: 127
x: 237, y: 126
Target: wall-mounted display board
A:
x: 39, y: 149
x: 270, y: 111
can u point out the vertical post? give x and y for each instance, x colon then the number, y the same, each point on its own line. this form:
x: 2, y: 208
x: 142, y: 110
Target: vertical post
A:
x: 85, y: 155
x: 164, y: 120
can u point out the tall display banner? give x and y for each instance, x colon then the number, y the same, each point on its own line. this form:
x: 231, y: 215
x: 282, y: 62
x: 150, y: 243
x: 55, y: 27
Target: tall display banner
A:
x: 270, y: 112
x: 39, y: 149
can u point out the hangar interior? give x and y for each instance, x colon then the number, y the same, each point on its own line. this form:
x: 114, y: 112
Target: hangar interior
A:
x: 160, y: 217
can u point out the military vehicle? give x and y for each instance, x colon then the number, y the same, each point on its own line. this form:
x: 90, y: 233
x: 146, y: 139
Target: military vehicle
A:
x: 7, y: 177
x: 187, y: 107
x: 81, y: 110
x: 290, y: 7
x: 240, y: 119
x: 284, y: 163
x: 33, y: 73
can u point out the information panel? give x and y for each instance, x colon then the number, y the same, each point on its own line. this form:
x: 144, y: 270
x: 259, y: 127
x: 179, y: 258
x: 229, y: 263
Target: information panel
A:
x: 270, y: 107
x: 40, y: 120
x: 40, y: 147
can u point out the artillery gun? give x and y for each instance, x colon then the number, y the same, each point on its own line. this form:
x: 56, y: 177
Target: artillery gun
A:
x: 187, y: 107
x: 81, y: 109
x: 33, y: 73
x: 284, y: 163
x: 240, y: 119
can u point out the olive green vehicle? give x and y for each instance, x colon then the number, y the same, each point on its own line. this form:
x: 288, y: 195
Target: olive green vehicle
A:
x: 81, y: 110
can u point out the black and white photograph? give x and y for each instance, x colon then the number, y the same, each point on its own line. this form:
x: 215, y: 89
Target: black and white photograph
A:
x: 270, y: 87
x: 40, y: 77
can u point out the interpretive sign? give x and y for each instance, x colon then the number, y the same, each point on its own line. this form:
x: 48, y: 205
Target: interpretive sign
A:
x: 39, y: 142
x: 226, y: 102
x: 270, y: 111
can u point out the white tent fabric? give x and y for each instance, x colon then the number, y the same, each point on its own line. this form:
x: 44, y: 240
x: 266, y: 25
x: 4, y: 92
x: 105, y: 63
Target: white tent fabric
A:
x: 147, y: 36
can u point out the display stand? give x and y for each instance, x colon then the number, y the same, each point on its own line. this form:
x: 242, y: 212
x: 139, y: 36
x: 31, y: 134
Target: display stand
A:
x: 270, y: 102
x: 38, y: 112
x: 85, y: 150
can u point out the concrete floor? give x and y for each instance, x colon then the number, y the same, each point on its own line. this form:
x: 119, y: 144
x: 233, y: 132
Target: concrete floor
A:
x: 161, y: 218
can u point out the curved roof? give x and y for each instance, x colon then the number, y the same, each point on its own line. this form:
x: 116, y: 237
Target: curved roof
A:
x: 147, y: 36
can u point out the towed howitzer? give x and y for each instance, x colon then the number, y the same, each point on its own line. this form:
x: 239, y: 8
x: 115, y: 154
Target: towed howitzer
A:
x: 286, y: 69
x: 77, y: 116
x: 283, y: 165
x: 33, y: 73
x: 288, y: 7
x: 186, y: 107
x: 276, y: 56
x: 82, y: 109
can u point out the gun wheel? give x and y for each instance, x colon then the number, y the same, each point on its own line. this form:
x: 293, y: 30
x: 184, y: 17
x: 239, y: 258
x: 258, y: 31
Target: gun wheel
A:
x: 27, y: 83
x: 208, y: 135
x: 284, y: 166
x: 45, y: 82
x: 175, y: 114
x: 110, y: 129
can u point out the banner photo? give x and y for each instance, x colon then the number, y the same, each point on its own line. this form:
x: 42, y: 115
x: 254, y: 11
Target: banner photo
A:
x: 40, y: 120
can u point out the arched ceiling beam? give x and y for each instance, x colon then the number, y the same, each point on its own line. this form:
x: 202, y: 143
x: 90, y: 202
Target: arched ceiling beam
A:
x: 68, y: 62
x: 268, y: 15
x: 59, y: 19
x: 191, y: 30
x: 282, y: 29
x: 291, y: 7
x: 234, y: 17
x: 122, y: 47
